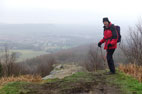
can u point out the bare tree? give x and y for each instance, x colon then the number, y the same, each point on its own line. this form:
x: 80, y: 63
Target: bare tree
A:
x: 132, y: 48
x: 1, y: 68
x: 94, y: 59
x: 45, y: 67
x: 41, y: 65
x: 8, y: 61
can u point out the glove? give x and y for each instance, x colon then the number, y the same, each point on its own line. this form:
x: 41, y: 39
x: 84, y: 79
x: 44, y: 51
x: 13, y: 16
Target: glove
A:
x: 99, y: 44
x: 109, y: 45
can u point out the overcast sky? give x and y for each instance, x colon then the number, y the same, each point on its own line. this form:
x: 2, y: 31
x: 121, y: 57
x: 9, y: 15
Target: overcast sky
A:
x: 69, y: 11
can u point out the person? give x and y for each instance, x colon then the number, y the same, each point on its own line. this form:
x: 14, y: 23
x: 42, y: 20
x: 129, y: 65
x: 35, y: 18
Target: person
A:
x: 110, y: 40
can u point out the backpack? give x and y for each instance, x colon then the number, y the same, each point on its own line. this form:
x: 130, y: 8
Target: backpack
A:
x: 118, y: 33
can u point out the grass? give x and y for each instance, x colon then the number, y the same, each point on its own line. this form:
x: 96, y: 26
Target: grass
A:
x: 27, y: 54
x: 133, y: 70
x: 14, y: 88
x: 25, y: 78
x: 77, y: 81
x: 128, y: 84
x: 85, y: 76
x: 67, y: 82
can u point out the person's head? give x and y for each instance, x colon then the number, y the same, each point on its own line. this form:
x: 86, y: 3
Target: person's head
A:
x: 106, y: 22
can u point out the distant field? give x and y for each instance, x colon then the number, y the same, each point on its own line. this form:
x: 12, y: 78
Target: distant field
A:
x: 26, y: 54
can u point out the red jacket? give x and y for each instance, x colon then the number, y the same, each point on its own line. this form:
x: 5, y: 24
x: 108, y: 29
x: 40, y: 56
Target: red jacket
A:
x: 110, y: 37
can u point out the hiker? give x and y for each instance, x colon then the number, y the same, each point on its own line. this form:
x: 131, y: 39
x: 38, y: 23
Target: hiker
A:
x: 110, y: 39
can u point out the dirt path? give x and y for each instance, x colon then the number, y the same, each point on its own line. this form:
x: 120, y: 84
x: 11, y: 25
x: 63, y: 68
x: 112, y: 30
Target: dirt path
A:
x: 94, y: 83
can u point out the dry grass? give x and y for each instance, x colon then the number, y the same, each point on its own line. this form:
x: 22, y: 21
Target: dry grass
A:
x: 24, y: 78
x: 133, y: 70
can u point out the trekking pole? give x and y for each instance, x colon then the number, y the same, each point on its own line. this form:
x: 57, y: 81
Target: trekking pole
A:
x: 104, y: 58
x: 102, y: 54
x: 96, y: 59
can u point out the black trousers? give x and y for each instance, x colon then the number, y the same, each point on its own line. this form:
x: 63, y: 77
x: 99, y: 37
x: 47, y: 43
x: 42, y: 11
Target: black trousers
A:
x: 110, y: 60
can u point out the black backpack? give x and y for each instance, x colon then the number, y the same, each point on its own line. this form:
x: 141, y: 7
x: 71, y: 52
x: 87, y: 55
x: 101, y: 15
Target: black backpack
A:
x: 118, y: 33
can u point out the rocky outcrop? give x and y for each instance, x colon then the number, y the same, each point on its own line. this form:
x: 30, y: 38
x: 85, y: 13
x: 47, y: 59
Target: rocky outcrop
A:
x: 62, y: 70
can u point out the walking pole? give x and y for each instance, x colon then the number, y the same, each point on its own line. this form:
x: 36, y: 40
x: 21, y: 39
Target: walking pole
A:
x: 104, y: 57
